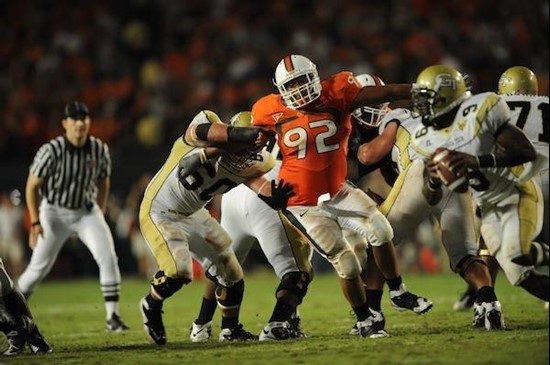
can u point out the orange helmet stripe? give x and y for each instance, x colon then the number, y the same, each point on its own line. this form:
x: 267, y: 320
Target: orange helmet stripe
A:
x: 288, y: 64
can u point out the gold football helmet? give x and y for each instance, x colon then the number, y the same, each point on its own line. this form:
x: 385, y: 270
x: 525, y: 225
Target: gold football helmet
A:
x: 241, y: 119
x: 438, y: 89
x: 518, y: 80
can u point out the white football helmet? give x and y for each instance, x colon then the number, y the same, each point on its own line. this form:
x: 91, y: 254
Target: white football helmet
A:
x: 370, y: 116
x: 298, y: 82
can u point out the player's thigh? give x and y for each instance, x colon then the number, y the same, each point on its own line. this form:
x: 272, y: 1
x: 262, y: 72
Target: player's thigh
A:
x: 522, y: 219
x: 285, y: 247
x: 236, y: 223
x: 457, y: 228
x: 211, y: 246
x: 405, y: 207
x: 168, y: 239
x: 323, y: 232
x: 358, y: 212
x: 544, y: 186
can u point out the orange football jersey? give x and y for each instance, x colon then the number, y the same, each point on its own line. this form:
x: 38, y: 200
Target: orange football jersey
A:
x: 313, y: 141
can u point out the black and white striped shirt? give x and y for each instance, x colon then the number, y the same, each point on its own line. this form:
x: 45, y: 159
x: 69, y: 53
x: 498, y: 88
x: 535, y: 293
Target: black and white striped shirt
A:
x: 69, y: 174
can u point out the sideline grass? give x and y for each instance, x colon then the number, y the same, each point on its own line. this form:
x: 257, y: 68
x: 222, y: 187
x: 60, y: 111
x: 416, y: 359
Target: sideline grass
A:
x: 71, y: 315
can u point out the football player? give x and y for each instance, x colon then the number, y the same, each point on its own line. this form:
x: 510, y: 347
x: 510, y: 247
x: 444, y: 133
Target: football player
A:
x: 246, y: 218
x: 406, y: 207
x: 311, y: 119
x: 500, y: 162
x: 176, y: 225
x: 518, y: 86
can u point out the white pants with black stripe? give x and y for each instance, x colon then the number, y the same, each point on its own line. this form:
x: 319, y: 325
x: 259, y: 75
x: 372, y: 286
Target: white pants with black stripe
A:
x: 247, y: 218
x: 59, y: 224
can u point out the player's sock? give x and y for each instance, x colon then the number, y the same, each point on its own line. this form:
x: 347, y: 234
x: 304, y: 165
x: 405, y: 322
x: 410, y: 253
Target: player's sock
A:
x: 111, y: 296
x: 153, y: 302
x: 16, y: 304
x: 374, y: 299
x: 486, y: 294
x: 361, y: 312
x: 282, y: 312
x: 208, y: 308
x: 111, y: 307
x: 394, y: 283
x: 230, y: 322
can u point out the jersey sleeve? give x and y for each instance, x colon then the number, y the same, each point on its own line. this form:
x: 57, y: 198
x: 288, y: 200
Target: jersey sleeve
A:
x: 261, y: 117
x: 399, y: 115
x: 497, y: 114
x: 105, y: 167
x: 203, y: 117
x: 43, y: 161
x: 342, y: 89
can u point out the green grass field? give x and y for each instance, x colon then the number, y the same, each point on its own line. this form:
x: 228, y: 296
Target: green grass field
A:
x: 71, y: 316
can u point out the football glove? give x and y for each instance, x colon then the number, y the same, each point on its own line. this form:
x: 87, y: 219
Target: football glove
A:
x: 189, y: 164
x: 280, y: 193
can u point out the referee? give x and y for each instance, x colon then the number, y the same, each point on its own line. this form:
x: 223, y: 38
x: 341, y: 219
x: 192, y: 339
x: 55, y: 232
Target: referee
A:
x: 66, y: 192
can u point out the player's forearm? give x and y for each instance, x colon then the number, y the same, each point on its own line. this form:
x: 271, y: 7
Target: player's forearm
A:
x: 379, y: 94
x: 372, y: 152
x: 103, y: 193
x: 217, y: 134
x: 508, y: 158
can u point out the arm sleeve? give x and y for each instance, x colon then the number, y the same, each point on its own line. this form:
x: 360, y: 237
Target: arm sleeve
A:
x: 42, y: 164
x: 342, y: 89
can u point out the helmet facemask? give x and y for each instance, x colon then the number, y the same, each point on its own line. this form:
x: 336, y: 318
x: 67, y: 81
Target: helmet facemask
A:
x: 370, y: 117
x: 300, y: 88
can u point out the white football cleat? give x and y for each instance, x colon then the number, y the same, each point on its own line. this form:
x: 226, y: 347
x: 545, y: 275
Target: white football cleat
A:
x: 275, y: 331
x: 488, y: 315
x: 200, y: 332
x: 403, y: 300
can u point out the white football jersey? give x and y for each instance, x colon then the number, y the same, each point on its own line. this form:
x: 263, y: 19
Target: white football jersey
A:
x: 530, y: 114
x: 473, y: 131
x: 402, y: 154
x: 217, y: 176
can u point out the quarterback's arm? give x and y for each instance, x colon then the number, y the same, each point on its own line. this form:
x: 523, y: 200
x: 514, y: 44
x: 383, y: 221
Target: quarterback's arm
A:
x: 33, y: 201
x: 103, y: 187
x: 375, y: 150
x: 432, y: 184
x: 378, y: 94
x: 514, y: 149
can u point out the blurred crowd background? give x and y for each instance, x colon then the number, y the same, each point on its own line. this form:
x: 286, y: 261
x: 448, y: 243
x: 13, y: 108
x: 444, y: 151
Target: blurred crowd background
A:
x: 146, y: 67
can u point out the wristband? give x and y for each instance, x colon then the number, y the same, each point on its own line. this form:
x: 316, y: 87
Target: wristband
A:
x: 37, y: 223
x: 246, y: 135
x: 489, y: 160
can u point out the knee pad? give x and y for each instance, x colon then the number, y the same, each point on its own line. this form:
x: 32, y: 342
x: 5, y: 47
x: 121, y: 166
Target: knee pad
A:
x: 230, y: 297
x: 165, y: 286
x: 381, y: 231
x: 465, y: 263
x: 295, y: 282
x: 346, y: 264
x: 228, y: 270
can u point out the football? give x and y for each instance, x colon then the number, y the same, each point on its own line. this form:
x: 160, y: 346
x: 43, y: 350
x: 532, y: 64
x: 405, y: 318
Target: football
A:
x: 454, y: 180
